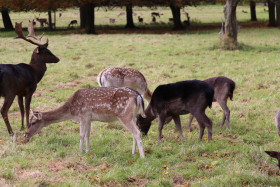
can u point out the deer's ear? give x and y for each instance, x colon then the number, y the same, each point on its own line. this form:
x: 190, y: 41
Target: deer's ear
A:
x: 273, y: 154
x: 39, y: 116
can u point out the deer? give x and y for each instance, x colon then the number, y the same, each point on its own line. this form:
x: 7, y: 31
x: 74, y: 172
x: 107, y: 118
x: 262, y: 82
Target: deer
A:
x: 156, y: 14
x: 140, y: 19
x: 72, y: 23
x: 105, y: 104
x: 111, y: 20
x: 223, y: 88
x: 42, y: 21
x: 274, y: 154
x: 21, y: 79
x: 175, y: 99
x: 125, y: 77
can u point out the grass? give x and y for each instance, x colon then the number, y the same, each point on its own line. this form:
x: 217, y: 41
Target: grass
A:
x: 235, y: 157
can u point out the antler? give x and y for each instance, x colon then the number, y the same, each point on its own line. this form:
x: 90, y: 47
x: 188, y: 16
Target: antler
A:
x: 31, y: 32
x: 18, y: 30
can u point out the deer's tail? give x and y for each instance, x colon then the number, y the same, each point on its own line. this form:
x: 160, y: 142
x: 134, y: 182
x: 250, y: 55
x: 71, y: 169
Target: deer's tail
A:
x: 140, y: 104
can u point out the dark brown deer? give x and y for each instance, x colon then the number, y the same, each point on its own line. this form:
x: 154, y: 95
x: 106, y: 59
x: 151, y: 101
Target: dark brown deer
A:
x: 42, y: 21
x: 21, y: 79
x: 95, y: 104
x: 175, y: 99
x: 223, y: 88
x: 72, y: 23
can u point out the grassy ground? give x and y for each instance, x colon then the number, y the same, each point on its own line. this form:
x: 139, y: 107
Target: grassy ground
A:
x: 235, y: 157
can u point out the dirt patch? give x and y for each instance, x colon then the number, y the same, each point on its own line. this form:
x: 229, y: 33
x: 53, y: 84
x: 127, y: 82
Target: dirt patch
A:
x: 59, y: 165
x: 71, y: 84
x: 29, y: 174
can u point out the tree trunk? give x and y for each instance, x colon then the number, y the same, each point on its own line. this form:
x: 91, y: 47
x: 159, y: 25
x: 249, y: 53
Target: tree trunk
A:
x: 89, y: 20
x: 253, y: 11
x: 6, y: 19
x: 50, y: 20
x: 176, y: 18
x: 278, y: 14
x: 129, y: 17
x: 83, y: 16
x: 271, y: 13
x: 230, y: 35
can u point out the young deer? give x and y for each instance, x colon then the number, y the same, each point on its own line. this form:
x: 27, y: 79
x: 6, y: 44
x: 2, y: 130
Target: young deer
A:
x: 169, y: 101
x: 223, y: 88
x: 95, y: 104
x: 125, y: 77
x: 21, y: 79
x: 274, y: 154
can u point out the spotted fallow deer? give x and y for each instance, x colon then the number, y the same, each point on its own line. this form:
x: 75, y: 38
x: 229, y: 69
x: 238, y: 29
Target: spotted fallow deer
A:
x: 95, y: 104
x: 21, y: 79
x: 124, y: 77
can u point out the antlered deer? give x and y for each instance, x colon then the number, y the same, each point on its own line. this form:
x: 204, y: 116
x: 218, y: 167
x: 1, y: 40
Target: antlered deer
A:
x: 21, y: 79
x: 175, y: 99
x: 223, y: 88
x: 125, y: 77
x: 95, y: 104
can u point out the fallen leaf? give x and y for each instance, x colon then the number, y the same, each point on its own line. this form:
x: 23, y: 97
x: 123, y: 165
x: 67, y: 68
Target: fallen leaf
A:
x: 103, y: 168
x: 214, y: 163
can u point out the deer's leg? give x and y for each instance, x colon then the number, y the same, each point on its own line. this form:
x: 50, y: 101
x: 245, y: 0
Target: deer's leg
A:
x: 178, y: 126
x: 131, y: 126
x: 161, y: 121
x: 134, y: 146
x: 87, y: 135
x: 4, y: 112
x: 27, y: 107
x: 21, y: 107
x: 226, y: 113
x: 190, y: 122
x: 83, y: 130
x: 203, y: 121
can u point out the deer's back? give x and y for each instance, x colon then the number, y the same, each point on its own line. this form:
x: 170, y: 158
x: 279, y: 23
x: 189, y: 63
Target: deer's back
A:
x: 18, y: 79
x: 101, y: 102
x: 182, y: 97
x: 123, y: 77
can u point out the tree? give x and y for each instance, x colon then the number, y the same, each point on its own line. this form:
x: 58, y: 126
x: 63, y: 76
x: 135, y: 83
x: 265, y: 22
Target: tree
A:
x: 229, y: 30
x: 253, y: 11
x: 6, y: 19
x: 129, y: 17
x: 271, y: 13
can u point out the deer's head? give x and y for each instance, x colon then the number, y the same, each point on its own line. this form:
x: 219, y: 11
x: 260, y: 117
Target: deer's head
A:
x: 35, y: 125
x: 274, y: 154
x: 41, y: 53
x: 143, y: 124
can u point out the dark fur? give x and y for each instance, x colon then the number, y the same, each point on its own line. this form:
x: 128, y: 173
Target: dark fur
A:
x: 223, y: 88
x: 172, y: 100
x: 274, y: 154
x: 21, y: 80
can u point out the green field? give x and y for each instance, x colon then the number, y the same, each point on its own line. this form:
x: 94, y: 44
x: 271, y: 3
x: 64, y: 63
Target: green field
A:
x: 235, y: 157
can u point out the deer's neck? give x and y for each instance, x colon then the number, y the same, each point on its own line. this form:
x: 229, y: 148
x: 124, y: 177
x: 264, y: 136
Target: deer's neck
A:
x: 149, y: 113
x: 58, y: 115
x: 39, y: 68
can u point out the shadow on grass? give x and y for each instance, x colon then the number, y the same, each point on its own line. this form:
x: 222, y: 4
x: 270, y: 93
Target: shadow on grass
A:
x: 146, y: 28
